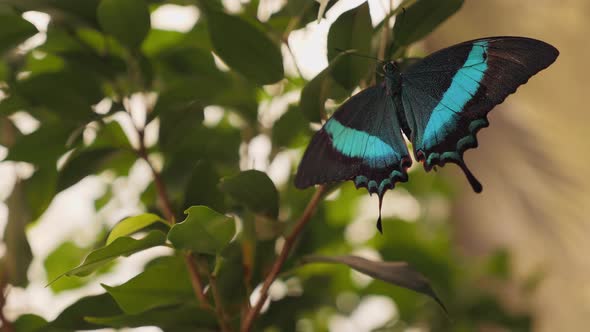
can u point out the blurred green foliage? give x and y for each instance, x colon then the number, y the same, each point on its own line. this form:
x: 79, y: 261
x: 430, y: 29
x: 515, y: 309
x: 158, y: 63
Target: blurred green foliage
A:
x: 107, y: 50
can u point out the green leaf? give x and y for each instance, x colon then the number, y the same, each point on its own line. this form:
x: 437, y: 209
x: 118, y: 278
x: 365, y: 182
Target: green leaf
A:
x: 110, y: 150
x: 4, y: 72
x: 245, y: 48
x: 290, y: 127
x: 47, y: 64
x: 123, y: 246
x: 396, y: 273
x: 319, y: 89
x: 176, y: 175
x: 103, y: 200
x: 153, y: 288
x: 202, y: 188
x: 229, y: 269
x: 119, y: 162
x: 14, y: 30
x: 126, y: 20
x: 240, y: 95
x: 65, y: 256
x: 131, y: 225
x: 219, y: 144
x: 11, y: 104
x: 71, y: 99
x: 82, y: 164
x: 41, y: 147
x: 40, y: 190
x: 149, y: 196
x: 160, y: 40
x: 60, y: 40
x: 421, y: 18
x: 351, y: 31
x: 29, y: 323
x: 255, y: 190
x: 295, y: 14
x: 179, y: 99
x: 108, y: 67
x: 185, y: 317
x: 176, y: 121
x: 190, y: 61
x: 96, y: 41
x: 203, y: 231
x: 18, y: 256
x: 75, y: 11
x: 73, y: 318
x: 111, y: 135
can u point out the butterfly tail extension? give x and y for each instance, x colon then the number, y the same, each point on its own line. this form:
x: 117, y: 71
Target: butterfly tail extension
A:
x: 475, y: 184
x: 379, y: 225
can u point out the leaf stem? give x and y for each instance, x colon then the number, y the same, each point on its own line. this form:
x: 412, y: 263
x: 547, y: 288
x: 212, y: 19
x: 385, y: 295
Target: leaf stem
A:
x: 280, y: 260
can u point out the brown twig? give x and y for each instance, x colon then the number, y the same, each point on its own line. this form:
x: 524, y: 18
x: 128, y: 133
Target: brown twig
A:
x: 6, y: 324
x: 166, y: 206
x: 278, y: 264
x: 196, y: 281
x: 160, y: 186
x: 221, y: 315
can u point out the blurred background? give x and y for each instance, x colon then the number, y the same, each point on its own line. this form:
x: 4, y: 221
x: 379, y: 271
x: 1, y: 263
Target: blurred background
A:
x: 513, y: 258
x: 532, y: 161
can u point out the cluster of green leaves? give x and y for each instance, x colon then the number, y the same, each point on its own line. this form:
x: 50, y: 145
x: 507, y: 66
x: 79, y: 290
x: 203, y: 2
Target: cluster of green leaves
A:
x: 107, y: 50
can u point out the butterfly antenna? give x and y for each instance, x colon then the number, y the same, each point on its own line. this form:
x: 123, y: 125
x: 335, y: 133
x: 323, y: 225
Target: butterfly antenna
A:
x: 362, y: 55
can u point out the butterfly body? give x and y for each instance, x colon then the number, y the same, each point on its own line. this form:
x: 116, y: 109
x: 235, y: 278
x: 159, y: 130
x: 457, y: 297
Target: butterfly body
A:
x: 439, y: 103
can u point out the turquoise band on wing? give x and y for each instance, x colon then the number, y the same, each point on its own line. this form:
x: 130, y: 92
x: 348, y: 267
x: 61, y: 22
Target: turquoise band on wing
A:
x: 464, y: 86
x: 358, y: 144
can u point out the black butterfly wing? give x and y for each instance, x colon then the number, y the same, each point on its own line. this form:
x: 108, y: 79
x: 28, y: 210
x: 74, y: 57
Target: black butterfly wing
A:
x: 362, y: 141
x: 447, y: 95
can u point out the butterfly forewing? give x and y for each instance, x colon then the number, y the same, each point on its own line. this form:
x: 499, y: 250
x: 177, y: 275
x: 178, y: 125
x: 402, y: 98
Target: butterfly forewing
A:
x: 447, y: 95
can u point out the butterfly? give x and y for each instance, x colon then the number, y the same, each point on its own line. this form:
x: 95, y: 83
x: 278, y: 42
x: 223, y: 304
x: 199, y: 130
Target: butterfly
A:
x: 439, y: 103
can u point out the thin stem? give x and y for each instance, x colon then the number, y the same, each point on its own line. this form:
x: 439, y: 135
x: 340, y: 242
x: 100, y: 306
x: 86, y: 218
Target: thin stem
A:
x: 160, y: 186
x: 221, y: 315
x: 280, y: 260
x: 6, y: 324
x: 196, y: 282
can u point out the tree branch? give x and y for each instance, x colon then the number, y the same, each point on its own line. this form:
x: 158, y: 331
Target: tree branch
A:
x: 160, y: 186
x: 221, y: 315
x: 196, y: 282
x: 6, y: 324
x: 168, y: 211
x: 278, y: 264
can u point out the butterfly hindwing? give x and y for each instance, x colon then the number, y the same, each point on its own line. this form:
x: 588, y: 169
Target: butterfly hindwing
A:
x: 361, y: 142
x: 447, y: 95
